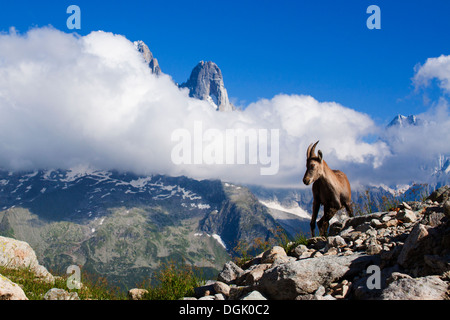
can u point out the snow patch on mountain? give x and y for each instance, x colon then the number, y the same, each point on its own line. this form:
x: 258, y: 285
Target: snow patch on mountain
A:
x: 296, y: 210
x: 141, y: 182
x: 395, y: 190
x: 78, y: 172
x: 214, y: 236
x: 219, y: 240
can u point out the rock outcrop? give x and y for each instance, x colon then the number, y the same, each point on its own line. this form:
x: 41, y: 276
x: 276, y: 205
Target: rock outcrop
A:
x: 422, y: 288
x: 60, y: 294
x: 10, y: 290
x: 16, y: 254
x: 395, y: 255
x: 206, y: 83
x: 148, y: 57
x: 136, y: 294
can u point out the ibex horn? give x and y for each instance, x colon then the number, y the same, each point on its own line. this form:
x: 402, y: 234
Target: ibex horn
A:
x: 312, y: 152
x: 308, y: 151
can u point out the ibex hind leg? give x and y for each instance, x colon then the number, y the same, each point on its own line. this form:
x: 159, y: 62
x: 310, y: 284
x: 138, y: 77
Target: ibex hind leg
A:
x: 349, y: 208
x: 323, y: 227
x: 312, y: 226
x: 324, y: 222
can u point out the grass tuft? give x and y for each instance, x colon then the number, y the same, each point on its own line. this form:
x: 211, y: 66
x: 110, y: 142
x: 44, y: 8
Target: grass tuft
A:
x: 172, y: 282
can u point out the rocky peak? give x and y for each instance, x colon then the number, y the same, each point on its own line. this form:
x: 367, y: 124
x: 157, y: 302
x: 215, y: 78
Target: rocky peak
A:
x: 206, y: 83
x: 148, y: 56
x: 403, y: 121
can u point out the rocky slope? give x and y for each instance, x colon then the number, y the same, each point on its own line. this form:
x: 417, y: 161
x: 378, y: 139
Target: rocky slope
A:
x: 241, y: 220
x: 403, y: 254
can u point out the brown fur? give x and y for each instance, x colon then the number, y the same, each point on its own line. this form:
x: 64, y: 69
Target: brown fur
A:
x: 330, y: 189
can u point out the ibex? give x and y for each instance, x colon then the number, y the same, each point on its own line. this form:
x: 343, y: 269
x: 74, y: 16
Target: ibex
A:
x: 330, y: 189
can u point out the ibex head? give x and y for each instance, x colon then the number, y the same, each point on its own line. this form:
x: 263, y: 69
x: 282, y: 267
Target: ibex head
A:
x: 314, y: 165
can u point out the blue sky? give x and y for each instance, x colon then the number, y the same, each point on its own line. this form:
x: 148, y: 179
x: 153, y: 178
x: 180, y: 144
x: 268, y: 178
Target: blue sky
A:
x: 67, y: 101
x: 318, y: 48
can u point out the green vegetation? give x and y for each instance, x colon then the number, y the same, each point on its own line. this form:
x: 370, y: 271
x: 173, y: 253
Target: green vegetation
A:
x: 298, y: 240
x: 366, y: 206
x: 245, y: 252
x: 171, y: 282
x: 35, y: 288
x: 369, y: 201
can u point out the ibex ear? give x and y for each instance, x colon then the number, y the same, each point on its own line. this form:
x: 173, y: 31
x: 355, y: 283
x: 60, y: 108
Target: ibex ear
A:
x: 320, y: 155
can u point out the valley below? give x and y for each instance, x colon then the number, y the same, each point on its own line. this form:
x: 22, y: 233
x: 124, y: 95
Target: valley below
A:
x: 124, y: 227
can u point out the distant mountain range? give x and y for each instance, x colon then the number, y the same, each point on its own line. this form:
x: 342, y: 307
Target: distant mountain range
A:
x: 439, y: 174
x: 122, y: 226
x: 403, y: 121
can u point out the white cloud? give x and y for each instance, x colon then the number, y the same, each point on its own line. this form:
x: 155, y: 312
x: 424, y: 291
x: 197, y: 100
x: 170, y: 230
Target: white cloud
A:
x: 67, y: 100
x: 434, y: 68
x: 416, y: 149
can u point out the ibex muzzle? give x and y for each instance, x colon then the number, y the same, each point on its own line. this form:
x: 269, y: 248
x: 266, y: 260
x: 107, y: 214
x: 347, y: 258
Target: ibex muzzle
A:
x: 330, y: 189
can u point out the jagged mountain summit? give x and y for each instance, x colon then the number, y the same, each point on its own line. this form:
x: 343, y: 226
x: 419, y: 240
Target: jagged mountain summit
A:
x: 206, y: 83
x: 403, y: 121
x: 148, y: 56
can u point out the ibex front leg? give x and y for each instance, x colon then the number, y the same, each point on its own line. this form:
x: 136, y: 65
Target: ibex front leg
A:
x: 312, y: 224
